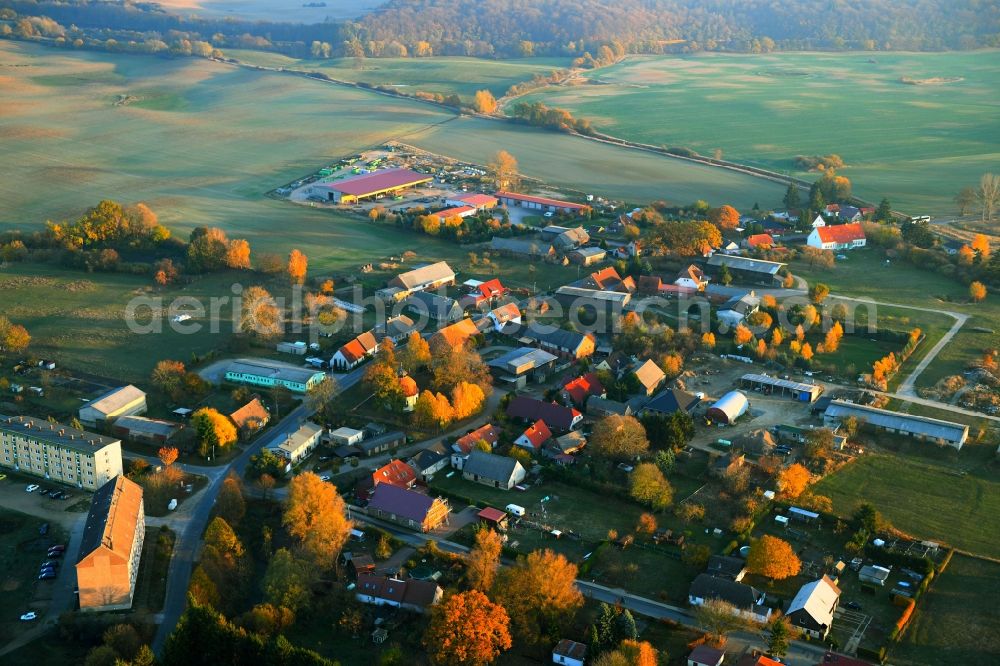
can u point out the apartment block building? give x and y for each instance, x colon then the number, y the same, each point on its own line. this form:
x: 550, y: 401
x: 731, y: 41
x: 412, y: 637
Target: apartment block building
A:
x: 58, y: 452
x: 108, y: 564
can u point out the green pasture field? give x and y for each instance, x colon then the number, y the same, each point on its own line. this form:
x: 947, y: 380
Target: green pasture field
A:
x: 445, y: 75
x: 904, y: 488
x: 955, y: 621
x: 597, y: 168
x: 916, y: 144
x: 202, y: 142
x: 864, y: 274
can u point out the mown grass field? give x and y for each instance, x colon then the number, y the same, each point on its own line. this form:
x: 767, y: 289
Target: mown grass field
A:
x: 956, y: 621
x: 202, y: 142
x: 444, y: 75
x: 916, y: 144
x: 928, y: 501
x: 864, y: 274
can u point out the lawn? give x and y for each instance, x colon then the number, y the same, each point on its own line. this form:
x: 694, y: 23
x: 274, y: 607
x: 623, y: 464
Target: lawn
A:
x: 444, y: 75
x: 924, y: 500
x: 956, y: 621
x: 916, y: 144
x: 864, y: 274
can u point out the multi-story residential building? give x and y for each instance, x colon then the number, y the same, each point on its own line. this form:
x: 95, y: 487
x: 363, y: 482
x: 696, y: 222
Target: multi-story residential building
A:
x: 58, y: 452
x: 108, y: 564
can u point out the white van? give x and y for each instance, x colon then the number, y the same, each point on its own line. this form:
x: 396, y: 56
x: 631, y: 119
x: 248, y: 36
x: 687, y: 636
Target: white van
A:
x: 515, y: 510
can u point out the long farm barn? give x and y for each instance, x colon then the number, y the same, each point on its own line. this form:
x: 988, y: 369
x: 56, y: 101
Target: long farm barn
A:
x: 366, y: 186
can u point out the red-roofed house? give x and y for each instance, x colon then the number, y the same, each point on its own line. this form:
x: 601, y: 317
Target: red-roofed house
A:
x: 388, y: 181
x: 532, y: 439
x: 486, y: 433
x: 583, y: 387
x: 415, y: 595
x: 457, y: 211
x: 505, y: 314
x: 354, y: 352
x: 608, y: 280
x: 484, y: 293
x: 474, y: 199
x: 555, y: 415
x: 760, y: 240
x: 539, y: 203
x: 838, y: 237
x: 396, y: 473
x: 691, y: 277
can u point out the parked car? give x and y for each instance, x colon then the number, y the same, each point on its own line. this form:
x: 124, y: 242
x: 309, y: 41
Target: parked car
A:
x: 54, y: 554
x: 853, y: 605
x: 324, y: 477
x: 29, y: 616
x: 50, y: 563
x: 44, y: 491
x: 31, y: 488
x: 48, y: 575
x: 59, y: 546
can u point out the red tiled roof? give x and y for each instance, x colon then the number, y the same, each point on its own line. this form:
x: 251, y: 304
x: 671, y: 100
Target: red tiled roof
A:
x: 492, y: 288
x: 760, y: 239
x: 554, y: 415
x: 606, y: 277
x: 408, y: 386
x: 492, y: 515
x: 458, y: 333
x: 538, y: 433
x: 458, y: 211
x: 396, y: 473
x: 583, y: 387
x: 353, y: 351
x: 477, y: 199
x: 539, y: 200
x: 505, y: 313
x: 841, y: 233
x: 371, y: 183
x: 250, y: 413
x: 487, y: 433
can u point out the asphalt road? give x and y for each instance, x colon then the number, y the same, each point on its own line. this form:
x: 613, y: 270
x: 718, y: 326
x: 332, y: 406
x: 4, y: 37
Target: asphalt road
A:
x: 189, y: 538
x: 799, y: 653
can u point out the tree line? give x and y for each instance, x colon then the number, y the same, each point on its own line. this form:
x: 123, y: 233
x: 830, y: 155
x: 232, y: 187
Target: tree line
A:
x: 581, y: 29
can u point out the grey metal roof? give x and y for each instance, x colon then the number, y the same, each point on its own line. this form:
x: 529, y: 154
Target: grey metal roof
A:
x: 596, y: 294
x: 140, y: 424
x: 490, y: 466
x: 55, y: 433
x: 265, y: 368
x: 671, y: 400
x: 425, y: 275
x: 780, y: 383
x: 525, y: 358
x: 560, y: 337
x: 740, y: 595
x: 884, y: 418
x: 745, y: 264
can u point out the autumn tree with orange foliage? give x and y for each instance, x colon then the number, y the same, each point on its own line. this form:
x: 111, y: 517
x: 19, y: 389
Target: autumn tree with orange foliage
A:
x: 793, y: 481
x: 238, y: 254
x: 773, y: 558
x: 806, y: 352
x: 467, y: 629
x: 647, y: 524
x: 742, y: 335
x: 966, y: 256
x: 297, y: 266
x: 981, y: 244
x: 977, y: 291
x: 213, y: 429
x: 708, y: 340
x: 432, y: 410
x: 315, y: 519
x: 13, y: 337
x: 167, y: 455
x: 833, y: 336
x: 466, y: 399
x: 484, y: 560
x: 485, y: 102
x: 761, y: 350
x: 777, y: 337
x: 883, y: 368
x: 539, y: 592
x: 724, y: 217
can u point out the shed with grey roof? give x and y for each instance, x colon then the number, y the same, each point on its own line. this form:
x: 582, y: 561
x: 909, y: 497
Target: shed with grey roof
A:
x: 798, y: 390
x: 493, y: 470
x: 919, y: 427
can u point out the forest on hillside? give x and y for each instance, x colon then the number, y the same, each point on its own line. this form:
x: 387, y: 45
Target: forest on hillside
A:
x: 525, y: 28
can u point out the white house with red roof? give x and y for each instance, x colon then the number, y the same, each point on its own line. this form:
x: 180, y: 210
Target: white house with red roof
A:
x: 477, y: 200
x: 838, y: 237
x: 534, y: 437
